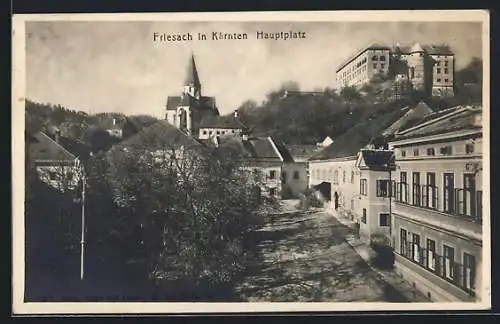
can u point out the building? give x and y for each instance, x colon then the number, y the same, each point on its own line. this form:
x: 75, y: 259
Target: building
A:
x: 359, y: 169
x: 211, y: 126
x: 53, y: 163
x: 262, y: 156
x: 437, y: 210
x: 361, y: 67
x: 429, y: 69
x: 187, y: 110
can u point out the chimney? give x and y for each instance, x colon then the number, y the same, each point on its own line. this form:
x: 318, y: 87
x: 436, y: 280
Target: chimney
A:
x: 236, y: 114
x: 57, y: 135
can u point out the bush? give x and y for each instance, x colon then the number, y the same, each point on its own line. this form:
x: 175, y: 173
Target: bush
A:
x: 385, y: 256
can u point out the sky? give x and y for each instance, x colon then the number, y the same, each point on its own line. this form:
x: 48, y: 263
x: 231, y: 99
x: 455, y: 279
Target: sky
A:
x: 112, y: 66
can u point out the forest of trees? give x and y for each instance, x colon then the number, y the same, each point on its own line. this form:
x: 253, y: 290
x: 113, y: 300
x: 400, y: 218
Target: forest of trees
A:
x: 308, y: 118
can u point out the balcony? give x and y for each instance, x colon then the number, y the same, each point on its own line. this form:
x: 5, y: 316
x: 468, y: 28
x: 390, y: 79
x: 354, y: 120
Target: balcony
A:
x: 460, y: 211
x: 460, y: 276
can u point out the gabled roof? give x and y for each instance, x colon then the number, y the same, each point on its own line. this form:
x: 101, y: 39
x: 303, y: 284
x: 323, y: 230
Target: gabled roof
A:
x: 376, y: 160
x: 204, y: 103
x: 285, y: 154
x: 449, y: 120
x: 76, y: 147
x: 159, y: 135
x: 302, y: 152
x: 413, y: 116
x: 43, y: 148
x: 192, y: 77
x: 358, y: 137
x: 253, y: 148
x: 228, y: 121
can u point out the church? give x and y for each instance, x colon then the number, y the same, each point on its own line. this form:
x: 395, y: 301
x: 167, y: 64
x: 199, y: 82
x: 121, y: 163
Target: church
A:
x: 198, y: 115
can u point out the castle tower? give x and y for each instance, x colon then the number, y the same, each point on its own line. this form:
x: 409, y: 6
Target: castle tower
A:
x: 192, y: 85
x: 416, y: 65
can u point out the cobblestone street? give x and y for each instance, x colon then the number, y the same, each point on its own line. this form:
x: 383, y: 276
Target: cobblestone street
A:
x: 304, y: 257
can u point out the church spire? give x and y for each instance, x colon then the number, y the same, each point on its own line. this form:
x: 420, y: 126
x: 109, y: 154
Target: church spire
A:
x: 192, y: 78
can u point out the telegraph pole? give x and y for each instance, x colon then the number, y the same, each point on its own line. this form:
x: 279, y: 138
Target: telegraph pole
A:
x: 82, y: 241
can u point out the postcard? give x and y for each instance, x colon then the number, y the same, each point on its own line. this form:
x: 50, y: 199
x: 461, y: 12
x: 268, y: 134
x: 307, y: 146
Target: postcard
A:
x: 251, y: 162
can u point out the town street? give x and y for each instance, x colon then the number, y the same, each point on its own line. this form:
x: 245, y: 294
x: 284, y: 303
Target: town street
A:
x: 304, y: 256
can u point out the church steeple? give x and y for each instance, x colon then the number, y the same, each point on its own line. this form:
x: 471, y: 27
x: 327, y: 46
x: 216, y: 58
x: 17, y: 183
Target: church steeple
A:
x: 192, y: 84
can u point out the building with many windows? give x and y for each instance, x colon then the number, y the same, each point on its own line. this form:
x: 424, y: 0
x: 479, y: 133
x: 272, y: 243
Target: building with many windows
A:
x: 437, y: 211
x: 428, y: 68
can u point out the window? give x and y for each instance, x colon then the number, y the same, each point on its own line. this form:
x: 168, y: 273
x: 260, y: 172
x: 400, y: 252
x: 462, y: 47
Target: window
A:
x: 438, y: 79
x: 446, y: 80
x: 403, y: 153
x: 445, y: 150
x: 469, y: 272
x: 469, y: 201
x: 415, y: 247
x: 296, y: 175
x: 384, y: 220
x: 272, y: 192
x: 204, y: 132
x: 382, y: 58
x: 374, y: 58
x: 438, y: 63
x: 438, y: 70
x: 218, y: 132
x: 210, y: 133
x: 363, y: 187
x: 445, y: 71
x: 233, y: 131
x: 272, y: 174
x: 336, y: 177
x: 403, y: 240
x: 448, y: 194
x: 445, y: 63
x: 415, y: 152
x: 431, y: 151
x: 363, y: 216
x: 416, y: 189
x: 383, y: 188
x: 403, y: 190
x: 449, y: 262
x: 469, y: 148
x: 431, y: 254
x: 382, y: 66
x: 430, y: 191
x: 352, y: 176
x: 374, y: 66
x: 343, y: 176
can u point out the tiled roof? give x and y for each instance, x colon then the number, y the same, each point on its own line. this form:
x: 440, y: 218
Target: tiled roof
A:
x: 357, y: 137
x: 254, y: 148
x: 411, y: 117
x: 205, y: 103
x: 161, y: 134
x: 44, y: 148
x: 285, y: 154
x: 378, y: 159
x: 303, y: 152
x: 457, y: 119
x: 228, y: 121
x: 429, y: 49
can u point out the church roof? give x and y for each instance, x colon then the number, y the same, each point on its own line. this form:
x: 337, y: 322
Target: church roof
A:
x: 416, y: 48
x: 204, y: 103
x: 192, y: 77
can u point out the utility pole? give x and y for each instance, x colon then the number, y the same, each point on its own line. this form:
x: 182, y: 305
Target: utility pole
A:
x: 82, y: 241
